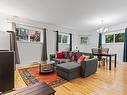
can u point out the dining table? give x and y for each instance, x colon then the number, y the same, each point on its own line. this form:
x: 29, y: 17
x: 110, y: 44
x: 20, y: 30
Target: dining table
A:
x: 107, y: 55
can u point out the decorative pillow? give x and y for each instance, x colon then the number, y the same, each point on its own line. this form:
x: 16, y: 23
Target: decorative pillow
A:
x: 65, y: 55
x: 82, y: 58
x: 73, y: 58
x: 59, y: 55
x: 86, y: 57
x: 76, y: 54
x: 71, y: 54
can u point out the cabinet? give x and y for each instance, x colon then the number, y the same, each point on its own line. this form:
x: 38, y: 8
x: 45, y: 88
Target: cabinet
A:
x: 6, y: 70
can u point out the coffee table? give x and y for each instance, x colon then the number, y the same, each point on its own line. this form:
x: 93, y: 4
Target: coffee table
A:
x: 46, y: 67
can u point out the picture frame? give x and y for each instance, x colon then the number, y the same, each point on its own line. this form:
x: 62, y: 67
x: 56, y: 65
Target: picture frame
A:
x: 84, y: 39
x: 27, y: 35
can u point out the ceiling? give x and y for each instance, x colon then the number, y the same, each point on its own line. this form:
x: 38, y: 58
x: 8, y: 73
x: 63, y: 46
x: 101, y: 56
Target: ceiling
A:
x: 83, y: 15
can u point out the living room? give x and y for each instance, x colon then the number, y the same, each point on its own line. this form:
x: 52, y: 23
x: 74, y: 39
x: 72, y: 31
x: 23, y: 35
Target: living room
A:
x: 74, y: 29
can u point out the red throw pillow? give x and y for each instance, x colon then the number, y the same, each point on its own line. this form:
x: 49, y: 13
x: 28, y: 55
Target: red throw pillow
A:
x: 81, y: 58
x: 73, y: 58
x: 76, y: 55
x: 71, y: 54
x: 67, y: 57
x: 59, y: 55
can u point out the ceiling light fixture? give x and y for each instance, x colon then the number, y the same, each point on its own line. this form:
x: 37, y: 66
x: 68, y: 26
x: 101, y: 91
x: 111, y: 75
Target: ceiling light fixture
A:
x: 102, y: 29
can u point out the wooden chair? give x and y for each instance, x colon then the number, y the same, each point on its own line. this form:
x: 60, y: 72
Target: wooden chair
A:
x: 100, y: 58
x: 105, y: 50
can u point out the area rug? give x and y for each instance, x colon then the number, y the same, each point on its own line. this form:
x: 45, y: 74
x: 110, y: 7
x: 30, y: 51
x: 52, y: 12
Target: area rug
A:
x: 32, y: 76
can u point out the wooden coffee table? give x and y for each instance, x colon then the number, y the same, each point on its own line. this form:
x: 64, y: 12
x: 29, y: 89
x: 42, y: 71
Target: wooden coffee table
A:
x: 46, y: 67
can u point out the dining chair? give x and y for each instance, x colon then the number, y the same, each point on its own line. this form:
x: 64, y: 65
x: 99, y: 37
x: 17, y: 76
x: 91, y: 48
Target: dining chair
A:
x: 106, y: 51
x: 95, y: 50
x: 100, y: 58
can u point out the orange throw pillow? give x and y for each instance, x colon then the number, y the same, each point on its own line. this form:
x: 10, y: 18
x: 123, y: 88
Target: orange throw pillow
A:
x: 82, y: 58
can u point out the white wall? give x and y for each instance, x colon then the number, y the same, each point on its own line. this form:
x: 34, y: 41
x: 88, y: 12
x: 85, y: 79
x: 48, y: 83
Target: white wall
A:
x: 116, y: 47
x: 93, y: 40
x: 113, y: 47
x: 31, y: 52
x: 4, y: 41
x: 64, y: 47
x: 4, y: 36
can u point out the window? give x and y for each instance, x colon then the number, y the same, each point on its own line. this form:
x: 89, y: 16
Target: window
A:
x: 63, y: 39
x: 59, y: 38
x: 109, y: 38
x: 114, y: 38
x: 119, y: 37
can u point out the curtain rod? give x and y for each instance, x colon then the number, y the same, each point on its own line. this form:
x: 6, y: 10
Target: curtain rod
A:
x: 27, y: 25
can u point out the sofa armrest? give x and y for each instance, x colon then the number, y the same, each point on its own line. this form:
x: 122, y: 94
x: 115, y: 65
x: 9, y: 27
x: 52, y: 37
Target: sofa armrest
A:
x: 88, y: 67
x: 52, y: 56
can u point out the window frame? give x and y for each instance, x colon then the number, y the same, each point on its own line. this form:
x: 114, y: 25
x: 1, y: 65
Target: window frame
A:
x: 62, y: 37
x: 113, y: 33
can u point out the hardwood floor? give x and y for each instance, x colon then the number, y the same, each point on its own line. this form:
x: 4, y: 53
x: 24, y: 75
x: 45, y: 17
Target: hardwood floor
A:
x: 104, y: 82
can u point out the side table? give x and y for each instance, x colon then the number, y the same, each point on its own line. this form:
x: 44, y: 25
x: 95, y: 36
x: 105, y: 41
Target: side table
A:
x: 46, y: 67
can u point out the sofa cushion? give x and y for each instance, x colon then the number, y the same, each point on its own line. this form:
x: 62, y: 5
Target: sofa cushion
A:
x: 68, y: 71
x: 61, y: 60
x: 66, y: 54
x: 69, y: 66
x: 59, y: 54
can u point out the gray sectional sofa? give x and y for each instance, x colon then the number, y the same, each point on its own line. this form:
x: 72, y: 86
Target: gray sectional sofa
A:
x: 69, y: 69
x: 73, y: 70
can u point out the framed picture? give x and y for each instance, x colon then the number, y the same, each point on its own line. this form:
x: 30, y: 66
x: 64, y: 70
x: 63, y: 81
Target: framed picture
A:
x: 27, y: 35
x: 84, y: 39
x: 34, y: 36
x: 22, y: 34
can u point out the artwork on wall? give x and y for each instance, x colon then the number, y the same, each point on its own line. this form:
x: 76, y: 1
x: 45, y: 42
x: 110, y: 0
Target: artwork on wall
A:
x: 26, y: 35
x: 22, y: 34
x: 34, y: 36
x: 84, y: 39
